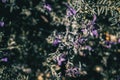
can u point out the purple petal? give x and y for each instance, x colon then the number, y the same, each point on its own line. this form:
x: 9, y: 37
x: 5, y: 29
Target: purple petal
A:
x: 48, y: 7
x: 59, y: 63
x: 4, y: 59
x: 89, y: 48
x: 61, y: 59
x: 94, y: 18
x: 73, y: 11
x: 70, y: 12
x: 1, y: 23
x: 119, y: 40
x: 95, y: 33
x: 108, y: 46
x: 56, y: 42
x: 75, y: 71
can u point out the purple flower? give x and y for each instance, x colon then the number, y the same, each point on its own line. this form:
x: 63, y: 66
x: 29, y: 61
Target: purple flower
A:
x: 4, y: 1
x: 76, y: 44
x: 82, y: 40
x: 1, y: 23
x: 61, y: 59
x: 73, y: 72
x: 88, y: 48
x: 47, y: 7
x: 56, y: 42
x: 70, y: 12
x: 107, y: 44
x: 119, y: 40
x: 95, y: 33
x: 4, y: 59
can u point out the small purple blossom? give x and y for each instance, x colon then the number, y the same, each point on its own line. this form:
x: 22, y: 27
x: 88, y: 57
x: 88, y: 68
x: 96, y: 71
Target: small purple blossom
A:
x: 88, y: 48
x: 95, y: 33
x: 2, y: 23
x: 56, y: 42
x: 73, y: 72
x: 4, y: 59
x: 82, y: 40
x: 61, y: 59
x: 70, y: 12
x: 107, y: 44
x: 47, y: 7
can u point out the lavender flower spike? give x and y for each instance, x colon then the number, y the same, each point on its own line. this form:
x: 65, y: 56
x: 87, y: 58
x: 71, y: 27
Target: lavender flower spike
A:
x: 4, y: 59
x: 1, y: 23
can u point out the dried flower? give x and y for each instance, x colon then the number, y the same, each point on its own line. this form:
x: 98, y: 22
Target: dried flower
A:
x: 1, y: 23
